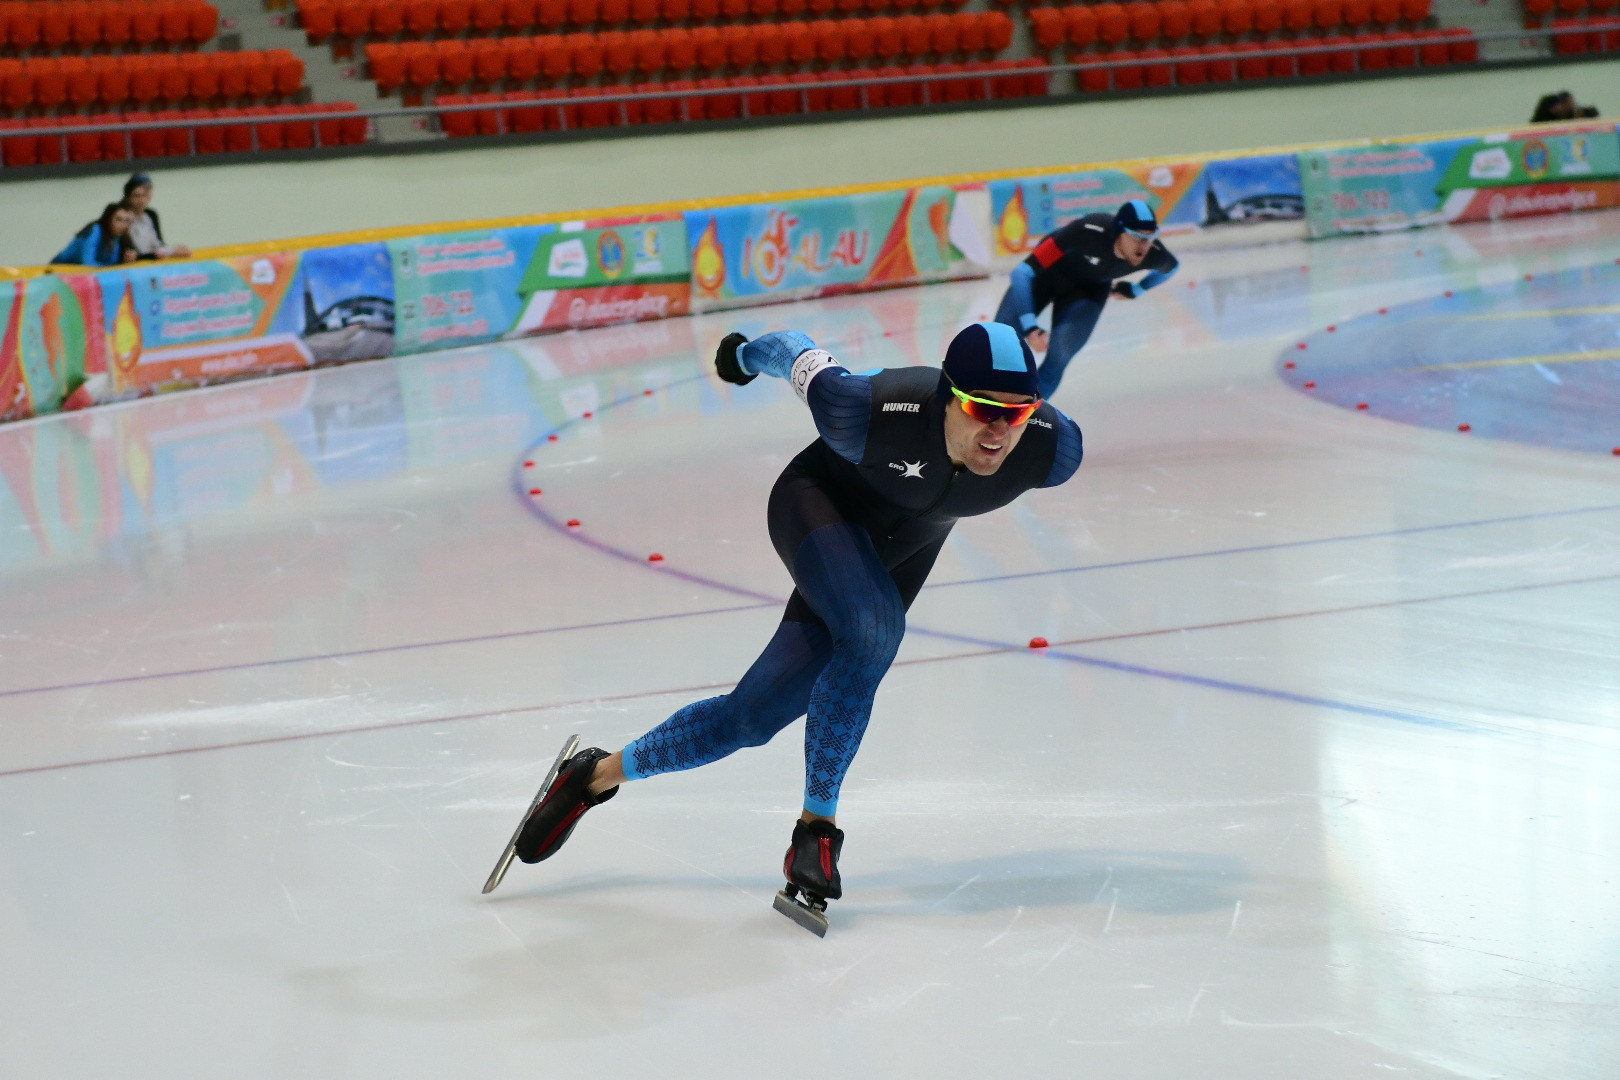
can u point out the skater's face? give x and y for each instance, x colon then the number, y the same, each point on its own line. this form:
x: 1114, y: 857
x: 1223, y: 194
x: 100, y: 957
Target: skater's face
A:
x: 1132, y: 247
x: 982, y: 447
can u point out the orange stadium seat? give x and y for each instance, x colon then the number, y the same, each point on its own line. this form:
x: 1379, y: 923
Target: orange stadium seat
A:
x: 421, y: 17
x: 649, y: 50
x: 556, y: 57
x: 289, y: 71
x: 387, y: 65
x: 779, y: 102
x: 972, y: 32
x: 1402, y: 49
x: 112, y: 80
x: 455, y: 62
x: 261, y: 73
x: 1237, y: 16
x: 1327, y: 14
x: 1080, y: 25
x: 177, y: 141
x: 772, y: 44
x: 176, y: 24
x: 741, y: 46
x: 790, y: 9
x: 914, y: 35
x: 50, y: 83
x: 832, y: 40
x: 421, y: 64
x: 269, y: 131
x: 203, y: 22
x: 22, y: 31
x: 1191, y: 68
x: 942, y: 33
x: 354, y: 18
x: 318, y: 18
x: 643, y: 13
x: 1158, y: 73
x: 521, y: 58
x: 115, y: 30
x: 202, y: 76
x: 1385, y: 12
x: 998, y: 30
x: 237, y: 137
x: 55, y: 25
x: 1371, y: 54
x: 459, y: 124
x: 800, y: 42
x: 48, y: 147
x: 1144, y: 17
x: 1465, y: 50
x: 1251, y: 66
x: 709, y: 46
x: 490, y: 121
x: 704, y: 10
x: 585, y: 55
x: 298, y: 134
x: 1219, y: 70
x: 1281, y: 63
x: 763, y: 9
x: 1434, y: 48
x: 207, y: 138
x: 1418, y: 10
x: 1091, y: 80
x: 1312, y: 63
x: 664, y: 110
x: 732, y: 10
x: 1298, y: 15
x: 859, y: 44
x: 1355, y: 13
x: 84, y: 23
x: 1175, y: 19
x: 1206, y: 17
x: 489, y: 60
x: 1113, y: 24
x: 550, y: 15
x: 518, y: 16
x: 455, y: 16
x: 522, y: 115
x: 488, y: 16
x: 1268, y: 16
x: 114, y: 143
x: 173, y: 82
x: 79, y: 79
x: 714, y: 106
x: 1129, y: 77
x: 1342, y: 61
x: 16, y: 84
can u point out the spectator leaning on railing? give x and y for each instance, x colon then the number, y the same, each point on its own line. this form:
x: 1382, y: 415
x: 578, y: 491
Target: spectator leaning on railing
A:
x: 103, y: 242
x: 145, y: 233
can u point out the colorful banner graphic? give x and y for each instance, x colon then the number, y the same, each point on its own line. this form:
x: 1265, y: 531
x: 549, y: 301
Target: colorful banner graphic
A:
x: 460, y: 288
x: 597, y: 273
x: 769, y: 252
x: 1186, y: 195
x: 53, y: 344
x: 1408, y: 185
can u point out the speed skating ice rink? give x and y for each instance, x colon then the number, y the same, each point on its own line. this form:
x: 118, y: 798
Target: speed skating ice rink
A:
x: 1316, y: 779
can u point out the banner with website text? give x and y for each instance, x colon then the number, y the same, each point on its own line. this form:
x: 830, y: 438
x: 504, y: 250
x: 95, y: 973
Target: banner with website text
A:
x: 1385, y: 186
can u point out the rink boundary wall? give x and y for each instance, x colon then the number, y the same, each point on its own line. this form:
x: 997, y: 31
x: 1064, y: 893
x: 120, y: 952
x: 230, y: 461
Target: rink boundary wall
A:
x: 75, y: 338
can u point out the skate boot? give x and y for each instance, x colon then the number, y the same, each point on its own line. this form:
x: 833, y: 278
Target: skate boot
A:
x: 811, y: 867
x: 549, y: 824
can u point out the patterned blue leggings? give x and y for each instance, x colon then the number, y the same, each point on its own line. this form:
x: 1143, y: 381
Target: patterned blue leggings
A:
x: 828, y: 670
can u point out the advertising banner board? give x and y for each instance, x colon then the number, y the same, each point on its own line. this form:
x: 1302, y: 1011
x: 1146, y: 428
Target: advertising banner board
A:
x: 596, y: 273
x: 790, y: 250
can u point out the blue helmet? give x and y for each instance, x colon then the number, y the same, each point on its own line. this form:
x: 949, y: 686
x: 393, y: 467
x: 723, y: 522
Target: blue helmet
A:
x: 991, y: 356
x: 1137, y: 216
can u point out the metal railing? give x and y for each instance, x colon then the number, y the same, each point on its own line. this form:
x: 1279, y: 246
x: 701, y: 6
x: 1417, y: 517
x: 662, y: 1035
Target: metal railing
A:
x: 562, y: 100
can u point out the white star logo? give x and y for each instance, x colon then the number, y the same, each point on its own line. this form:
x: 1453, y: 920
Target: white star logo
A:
x: 912, y: 469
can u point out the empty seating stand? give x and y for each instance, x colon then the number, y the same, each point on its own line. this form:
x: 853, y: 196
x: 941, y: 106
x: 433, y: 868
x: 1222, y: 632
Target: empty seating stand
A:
x: 261, y: 127
x: 148, y: 80
x: 49, y: 26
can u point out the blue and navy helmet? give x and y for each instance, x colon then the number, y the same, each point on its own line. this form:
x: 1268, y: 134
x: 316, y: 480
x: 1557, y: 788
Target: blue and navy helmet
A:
x: 991, y: 356
x: 1137, y: 216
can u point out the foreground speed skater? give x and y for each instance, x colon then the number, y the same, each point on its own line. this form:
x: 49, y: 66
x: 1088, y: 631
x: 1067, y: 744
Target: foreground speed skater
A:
x: 858, y: 517
x: 1075, y: 269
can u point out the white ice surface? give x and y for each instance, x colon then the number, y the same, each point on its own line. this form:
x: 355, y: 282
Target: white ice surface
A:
x: 1308, y: 787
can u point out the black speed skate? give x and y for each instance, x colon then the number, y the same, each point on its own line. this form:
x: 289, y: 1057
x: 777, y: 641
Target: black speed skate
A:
x: 556, y: 808
x: 811, y: 867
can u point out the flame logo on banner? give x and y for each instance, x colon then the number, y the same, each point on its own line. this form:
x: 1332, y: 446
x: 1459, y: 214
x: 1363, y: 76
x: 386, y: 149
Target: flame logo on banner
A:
x: 709, y: 262
x: 1012, y: 231
x: 126, y: 336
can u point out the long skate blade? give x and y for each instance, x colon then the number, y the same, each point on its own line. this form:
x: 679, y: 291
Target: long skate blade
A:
x: 510, y: 853
x: 806, y: 916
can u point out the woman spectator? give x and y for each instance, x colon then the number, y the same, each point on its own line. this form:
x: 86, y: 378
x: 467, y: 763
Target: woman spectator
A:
x: 103, y: 242
x: 145, y: 233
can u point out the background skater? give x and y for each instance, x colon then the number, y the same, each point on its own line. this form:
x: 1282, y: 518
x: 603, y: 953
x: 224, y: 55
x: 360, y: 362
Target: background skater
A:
x: 1075, y: 269
x: 858, y: 517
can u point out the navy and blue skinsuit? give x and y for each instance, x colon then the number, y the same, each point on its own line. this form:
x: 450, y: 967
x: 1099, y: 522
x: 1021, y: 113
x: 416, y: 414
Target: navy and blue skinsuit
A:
x: 858, y: 518
x: 1074, y: 270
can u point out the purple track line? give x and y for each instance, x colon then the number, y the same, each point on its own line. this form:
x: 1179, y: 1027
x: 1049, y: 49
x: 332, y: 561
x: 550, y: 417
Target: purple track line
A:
x: 992, y: 649
x: 1099, y: 662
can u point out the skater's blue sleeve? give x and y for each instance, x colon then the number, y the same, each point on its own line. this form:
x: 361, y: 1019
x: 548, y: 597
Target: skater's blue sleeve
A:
x: 1168, y: 265
x: 840, y: 403
x: 1018, y: 305
x: 1069, y: 452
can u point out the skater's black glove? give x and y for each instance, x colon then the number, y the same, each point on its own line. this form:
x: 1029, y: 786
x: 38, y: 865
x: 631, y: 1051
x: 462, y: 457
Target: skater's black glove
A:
x: 726, y: 364
x: 1124, y: 288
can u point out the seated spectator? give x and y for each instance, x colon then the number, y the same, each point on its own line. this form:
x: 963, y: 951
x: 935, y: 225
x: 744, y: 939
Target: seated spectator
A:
x: 145, y: 233
x: 1561, y: 106
x: 103, y: 242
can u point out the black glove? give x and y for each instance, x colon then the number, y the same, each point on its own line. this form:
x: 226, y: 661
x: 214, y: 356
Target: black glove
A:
x: 1125, y: 289
x: 726, y: 364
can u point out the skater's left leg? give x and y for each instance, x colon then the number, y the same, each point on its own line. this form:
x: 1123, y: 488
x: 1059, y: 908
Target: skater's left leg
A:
x: 1072, y: 324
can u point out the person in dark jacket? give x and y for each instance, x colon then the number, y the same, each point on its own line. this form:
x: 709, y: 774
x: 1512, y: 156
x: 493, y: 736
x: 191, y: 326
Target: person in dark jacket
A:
x: 103, y: 242
x: 1076, y: 269
x: 146, y: 231
x: 858, y: 517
